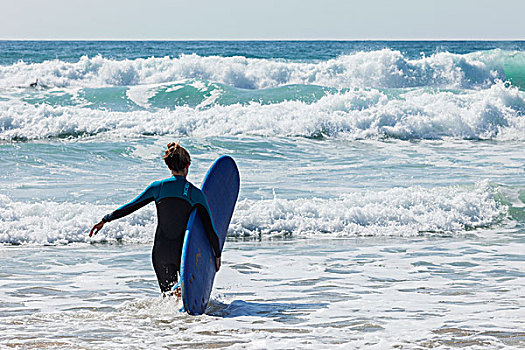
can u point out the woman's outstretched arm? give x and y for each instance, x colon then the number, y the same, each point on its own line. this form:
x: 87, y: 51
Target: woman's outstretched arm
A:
x: 147, y: 196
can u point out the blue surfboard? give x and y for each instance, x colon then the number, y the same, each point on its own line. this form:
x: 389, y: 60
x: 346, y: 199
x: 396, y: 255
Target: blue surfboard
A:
x: 197, y: 271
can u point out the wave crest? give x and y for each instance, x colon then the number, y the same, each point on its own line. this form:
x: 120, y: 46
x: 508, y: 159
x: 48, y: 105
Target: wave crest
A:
x: 51, y: 222
x: 494, y: 113
x: 396, y: 212
x: 378, y: 69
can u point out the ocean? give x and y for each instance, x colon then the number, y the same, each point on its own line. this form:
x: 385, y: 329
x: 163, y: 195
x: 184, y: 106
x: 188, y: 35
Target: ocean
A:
x: 382, y: 200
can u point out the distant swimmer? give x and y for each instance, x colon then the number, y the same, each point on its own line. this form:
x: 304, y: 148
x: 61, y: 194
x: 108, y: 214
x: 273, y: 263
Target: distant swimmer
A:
x: 35, y: 84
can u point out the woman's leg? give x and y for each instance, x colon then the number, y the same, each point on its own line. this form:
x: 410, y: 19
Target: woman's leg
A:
x: 166, y: 257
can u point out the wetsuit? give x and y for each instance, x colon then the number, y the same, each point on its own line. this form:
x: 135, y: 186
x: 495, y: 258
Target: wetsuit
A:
x: 174, y: 198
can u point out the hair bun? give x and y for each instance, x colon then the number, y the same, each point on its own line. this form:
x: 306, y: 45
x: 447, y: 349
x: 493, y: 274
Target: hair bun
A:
x: 176, y: 157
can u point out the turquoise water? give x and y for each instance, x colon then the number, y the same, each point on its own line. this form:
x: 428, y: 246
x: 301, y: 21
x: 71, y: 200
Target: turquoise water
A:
x: 382, y: 196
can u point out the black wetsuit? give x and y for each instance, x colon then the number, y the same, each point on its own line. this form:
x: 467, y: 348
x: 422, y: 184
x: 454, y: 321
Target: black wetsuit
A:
x: 175, y: 198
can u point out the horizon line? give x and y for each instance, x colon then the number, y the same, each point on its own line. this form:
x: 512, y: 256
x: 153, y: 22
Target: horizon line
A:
x: 307, y: 39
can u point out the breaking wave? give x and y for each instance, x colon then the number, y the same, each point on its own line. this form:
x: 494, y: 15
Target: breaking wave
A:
x: 376, y: 69
x: 493, y: 113
x: 407, y: 212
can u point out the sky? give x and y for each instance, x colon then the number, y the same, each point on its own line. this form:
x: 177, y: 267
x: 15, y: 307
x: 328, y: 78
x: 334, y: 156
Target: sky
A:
x: 263, y: 20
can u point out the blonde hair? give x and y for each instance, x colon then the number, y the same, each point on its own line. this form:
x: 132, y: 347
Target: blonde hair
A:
x: 176, y: 157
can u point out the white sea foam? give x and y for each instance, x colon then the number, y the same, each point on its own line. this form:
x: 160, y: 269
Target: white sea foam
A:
x: 385, y: 68
x: 494, y: 113
x: 395, y: 212
x: 141, y: 94
x: 51, y: 222
x: 340, y: 294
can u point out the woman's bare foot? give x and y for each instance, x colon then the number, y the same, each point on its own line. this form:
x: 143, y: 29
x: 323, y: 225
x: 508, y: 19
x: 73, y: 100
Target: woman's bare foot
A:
x: 176, y: 292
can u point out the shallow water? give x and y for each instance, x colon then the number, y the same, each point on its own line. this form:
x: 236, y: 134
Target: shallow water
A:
x: 361, y: 292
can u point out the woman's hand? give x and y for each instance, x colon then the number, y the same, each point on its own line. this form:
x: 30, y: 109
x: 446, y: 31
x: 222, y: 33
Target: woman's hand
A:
x: 218, y: 263
x: 96, y: 228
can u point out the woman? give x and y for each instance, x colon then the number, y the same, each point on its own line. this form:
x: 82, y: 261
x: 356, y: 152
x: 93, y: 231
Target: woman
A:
x: 174, y: 198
